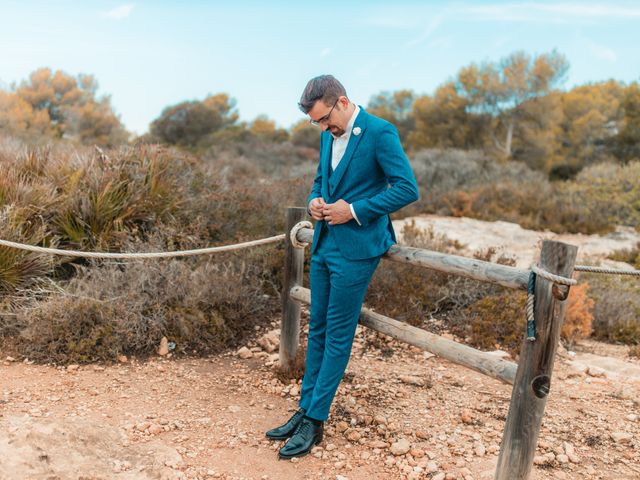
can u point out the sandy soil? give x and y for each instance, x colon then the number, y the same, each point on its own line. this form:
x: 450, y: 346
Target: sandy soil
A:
x: 205, y: 418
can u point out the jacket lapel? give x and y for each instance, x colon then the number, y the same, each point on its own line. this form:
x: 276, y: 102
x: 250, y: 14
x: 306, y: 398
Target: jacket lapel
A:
x: 360, y: 122
x: 325, y: 160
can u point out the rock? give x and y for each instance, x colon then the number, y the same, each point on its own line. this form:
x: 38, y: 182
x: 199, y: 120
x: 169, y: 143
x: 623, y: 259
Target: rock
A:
x: 10, y: 359
x: 378, y: 444
x: 480, y: 450
x: 155, y: 429
x: 353, y: 435
x: 341, y: 426
x: 562, y: 458
x: 416, y: 452
x: 466, y: 416
x: 330, y: 447
x: 400, y: 447
x: 432, y: 467
x: 596, y: 372
x: 412, y: 380
x: 294, y: 390
x: 340, y: 477
x: 122, y: 359
x: 570, y: 451
x: 244, y: 353
x: 632, y: 417
x: 621, y: 437
x: 438, y: 476
x: 163, y: 349
x: 73, y: 368
x: 269, y: 342
x: 234, y: 408
x: 421, y: 435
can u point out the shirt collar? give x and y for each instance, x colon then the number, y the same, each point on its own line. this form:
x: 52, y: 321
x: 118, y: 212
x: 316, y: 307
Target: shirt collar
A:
x: 350, y: 123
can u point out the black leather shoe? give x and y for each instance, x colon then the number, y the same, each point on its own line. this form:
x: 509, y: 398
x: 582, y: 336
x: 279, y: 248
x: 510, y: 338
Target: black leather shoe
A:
x: 285, y: 431
x: 303, y: 439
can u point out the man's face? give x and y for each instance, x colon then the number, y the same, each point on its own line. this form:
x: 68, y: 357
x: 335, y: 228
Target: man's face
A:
x: 332, y: 118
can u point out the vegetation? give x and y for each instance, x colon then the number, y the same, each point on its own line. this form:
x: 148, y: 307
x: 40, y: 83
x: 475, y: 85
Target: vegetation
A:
x: 499, y: 141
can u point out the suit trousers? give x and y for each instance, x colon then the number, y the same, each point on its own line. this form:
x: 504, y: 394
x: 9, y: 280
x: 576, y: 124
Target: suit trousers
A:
x: 338, y: 287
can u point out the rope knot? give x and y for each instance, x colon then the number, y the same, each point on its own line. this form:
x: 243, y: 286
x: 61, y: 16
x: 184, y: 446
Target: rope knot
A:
x: 293, y: 234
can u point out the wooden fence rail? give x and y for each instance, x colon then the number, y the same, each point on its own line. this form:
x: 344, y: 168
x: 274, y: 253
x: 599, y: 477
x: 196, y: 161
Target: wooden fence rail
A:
x: 531, y: 377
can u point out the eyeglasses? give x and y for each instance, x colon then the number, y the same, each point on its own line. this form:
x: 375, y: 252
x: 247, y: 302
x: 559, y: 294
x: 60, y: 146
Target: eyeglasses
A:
x: 324, y: 119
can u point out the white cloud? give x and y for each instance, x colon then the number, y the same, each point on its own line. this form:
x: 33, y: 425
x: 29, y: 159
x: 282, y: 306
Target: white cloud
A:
x: 538, y: 11
x: 433, y: 24
x: 118, y: 13
x: 325, y: 52
x: 602, y: 52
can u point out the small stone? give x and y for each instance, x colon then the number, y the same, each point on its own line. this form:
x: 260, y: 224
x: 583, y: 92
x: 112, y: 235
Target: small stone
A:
x: 562, y: 458
x: 155, y: 429
x: 431, y: 467
x: 412, y: 380
x: 621, y: 437
x: 353, y: 435
x: 234, y: 408
x: 341, y: 426
x: 122, y: 359
x: 400, y: 447
x: 244, y: 353
x: 466, y: 416
x: 571, y: 453
x: 10, y: 359
x: 73, y: 368
x: 330, y: 447
x: 439, y: 476
x: 632, y: 417
x: 596, y: 372
x: 163, y: 349
x: 421, y: 435
x: 480, y: 450
x: 416, y: 452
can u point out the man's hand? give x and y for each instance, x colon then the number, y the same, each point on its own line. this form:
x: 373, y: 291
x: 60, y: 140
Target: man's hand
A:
x: 315, y: 207
x: 337, y: 213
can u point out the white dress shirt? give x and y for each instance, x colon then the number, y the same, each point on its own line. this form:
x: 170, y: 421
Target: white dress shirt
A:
x: 340, y: 146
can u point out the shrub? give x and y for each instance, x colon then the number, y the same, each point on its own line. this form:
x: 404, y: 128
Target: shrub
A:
x: 498, y: 321
x: 616, y: 311
x: 579, y: 314
x: 127, y: 308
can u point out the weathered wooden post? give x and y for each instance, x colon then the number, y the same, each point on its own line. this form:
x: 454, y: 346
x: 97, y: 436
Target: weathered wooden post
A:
x: 293, y: 268
x: 533, y: 377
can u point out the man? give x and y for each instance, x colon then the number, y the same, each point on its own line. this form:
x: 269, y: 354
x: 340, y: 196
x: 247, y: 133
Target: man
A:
x: 363, y: 175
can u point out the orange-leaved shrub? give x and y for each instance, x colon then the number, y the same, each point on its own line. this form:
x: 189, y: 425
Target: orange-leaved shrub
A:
x: 578, y: 320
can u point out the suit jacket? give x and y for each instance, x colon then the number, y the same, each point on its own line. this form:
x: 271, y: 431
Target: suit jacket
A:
x: 374, y: 175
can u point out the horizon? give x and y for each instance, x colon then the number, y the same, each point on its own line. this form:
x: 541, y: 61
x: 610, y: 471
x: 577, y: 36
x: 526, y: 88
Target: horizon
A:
x: 369, y: 46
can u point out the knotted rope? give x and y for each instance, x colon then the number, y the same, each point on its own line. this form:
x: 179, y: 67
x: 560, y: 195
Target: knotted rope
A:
x: 293, y: 234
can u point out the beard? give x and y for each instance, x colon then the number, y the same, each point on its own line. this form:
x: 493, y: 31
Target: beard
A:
x: 336, y: 131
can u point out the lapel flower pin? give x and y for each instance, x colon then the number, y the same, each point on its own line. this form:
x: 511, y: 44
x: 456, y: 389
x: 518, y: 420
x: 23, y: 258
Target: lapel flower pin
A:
x: 356, y: 131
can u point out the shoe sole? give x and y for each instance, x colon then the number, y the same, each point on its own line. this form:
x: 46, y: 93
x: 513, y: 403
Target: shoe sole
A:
x: 282, y: 437
x: 289, y: 457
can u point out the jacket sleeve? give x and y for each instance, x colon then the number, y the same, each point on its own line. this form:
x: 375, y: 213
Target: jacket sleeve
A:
x: 403, y: 188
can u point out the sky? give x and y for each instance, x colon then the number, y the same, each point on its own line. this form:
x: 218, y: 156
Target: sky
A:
x: 148, y: 55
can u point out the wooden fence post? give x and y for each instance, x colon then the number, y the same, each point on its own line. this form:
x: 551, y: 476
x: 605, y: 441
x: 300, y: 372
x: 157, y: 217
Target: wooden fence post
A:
x: 293, y: 268
x: 533, y: 377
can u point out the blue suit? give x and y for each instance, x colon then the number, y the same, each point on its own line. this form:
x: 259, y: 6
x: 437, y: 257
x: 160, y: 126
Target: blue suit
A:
x: 374, y: 176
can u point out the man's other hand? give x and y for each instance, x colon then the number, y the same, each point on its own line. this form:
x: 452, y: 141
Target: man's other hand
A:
x: 337, y: 213
x: 315, y: 207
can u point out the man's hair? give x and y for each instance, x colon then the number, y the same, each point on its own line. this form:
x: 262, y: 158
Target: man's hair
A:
x: 324, y: 87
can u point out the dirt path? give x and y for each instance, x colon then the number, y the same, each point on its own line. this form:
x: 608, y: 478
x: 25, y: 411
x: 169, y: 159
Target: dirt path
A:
x: 205, y: 418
